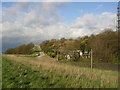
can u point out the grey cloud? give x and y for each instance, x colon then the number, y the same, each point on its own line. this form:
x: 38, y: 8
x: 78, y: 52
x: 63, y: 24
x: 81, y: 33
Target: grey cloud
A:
x: 41, y: 22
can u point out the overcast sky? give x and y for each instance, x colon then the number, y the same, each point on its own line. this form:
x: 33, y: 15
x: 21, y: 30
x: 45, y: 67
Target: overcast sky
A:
x: 24, y: 22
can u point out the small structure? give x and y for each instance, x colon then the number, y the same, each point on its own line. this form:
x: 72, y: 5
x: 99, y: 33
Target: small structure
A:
x: 77, y: 54
x: 81, y: 53
x: 68, y: 56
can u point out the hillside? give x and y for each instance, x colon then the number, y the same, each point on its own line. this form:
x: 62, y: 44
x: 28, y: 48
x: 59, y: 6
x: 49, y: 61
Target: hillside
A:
x: 104, y: 48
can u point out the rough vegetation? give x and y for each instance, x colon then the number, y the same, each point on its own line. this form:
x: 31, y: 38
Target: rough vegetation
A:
x: 0, y: 71
x: 19, y: 72
x: 22, y: 49
x: 104, y: 47
x: 22, y: 69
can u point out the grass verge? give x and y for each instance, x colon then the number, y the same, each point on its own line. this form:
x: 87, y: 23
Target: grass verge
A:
x: 28, y: 56
x: 19, y: 74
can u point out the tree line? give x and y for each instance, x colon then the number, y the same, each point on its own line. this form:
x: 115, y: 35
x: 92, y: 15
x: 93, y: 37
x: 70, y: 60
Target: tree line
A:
x: 104, y: 46
x: 22, y: 49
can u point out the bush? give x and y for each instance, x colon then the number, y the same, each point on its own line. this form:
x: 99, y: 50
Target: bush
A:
x: 51, y: 54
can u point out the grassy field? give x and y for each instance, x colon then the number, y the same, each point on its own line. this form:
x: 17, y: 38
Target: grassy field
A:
x: 46, y: 56
x: 0, y: 71
x: 19, y: 72
x: 28, y: 56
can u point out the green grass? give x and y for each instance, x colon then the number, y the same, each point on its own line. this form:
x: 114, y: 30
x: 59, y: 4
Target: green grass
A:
x: 46, y: 56
x: 0, y: 71
x: 19, y: 75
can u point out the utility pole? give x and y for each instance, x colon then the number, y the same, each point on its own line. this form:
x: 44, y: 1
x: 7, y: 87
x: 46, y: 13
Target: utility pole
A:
x: 91, y: 59
x: 57, y: 55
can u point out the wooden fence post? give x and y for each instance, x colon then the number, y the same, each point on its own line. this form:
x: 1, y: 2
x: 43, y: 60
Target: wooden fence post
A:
x: 91, y: 59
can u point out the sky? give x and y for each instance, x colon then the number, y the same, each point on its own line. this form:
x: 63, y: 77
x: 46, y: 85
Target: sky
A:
x: 25, y: 22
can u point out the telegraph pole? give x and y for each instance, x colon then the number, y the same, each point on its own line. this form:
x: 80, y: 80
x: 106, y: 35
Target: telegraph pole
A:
x: 91, y: 59
x: 57, y: 55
